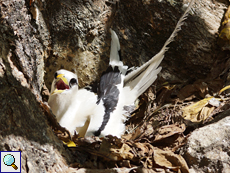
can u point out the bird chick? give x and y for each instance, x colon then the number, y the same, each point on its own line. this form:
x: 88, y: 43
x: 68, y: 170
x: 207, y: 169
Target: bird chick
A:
x: 72, y: 106
x: 103, y: 113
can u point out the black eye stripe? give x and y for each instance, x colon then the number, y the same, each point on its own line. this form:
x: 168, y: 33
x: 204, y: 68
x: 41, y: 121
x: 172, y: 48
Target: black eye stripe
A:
x: 55, y: 75
x: 72, y: 82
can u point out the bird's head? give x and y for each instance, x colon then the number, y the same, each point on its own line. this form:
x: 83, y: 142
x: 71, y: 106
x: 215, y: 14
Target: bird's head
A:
x: 63, y: 81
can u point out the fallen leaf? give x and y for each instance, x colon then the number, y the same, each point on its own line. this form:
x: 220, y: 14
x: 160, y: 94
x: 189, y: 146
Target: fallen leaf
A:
x: 192, y: 112
x: 223, y: 89
x: 163, y: 95
x: 205, y: 113
x: 169, y: 130
x: 169, y: 160
x: 199, y: 88
x: 115, y: 153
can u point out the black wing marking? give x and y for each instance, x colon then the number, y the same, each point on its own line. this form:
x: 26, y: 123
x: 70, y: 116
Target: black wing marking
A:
x: 108, y: 93
x: 93, y: 87
x: 119, y: 53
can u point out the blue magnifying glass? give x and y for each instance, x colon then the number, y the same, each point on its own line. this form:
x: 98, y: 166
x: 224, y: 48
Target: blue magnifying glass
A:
x: 9, y: 160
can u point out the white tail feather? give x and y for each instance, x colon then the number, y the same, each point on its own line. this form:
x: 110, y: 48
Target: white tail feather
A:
x: 115, y: 48
x: 144, y: 84
x: 141, y: 78
x: 114, y: 53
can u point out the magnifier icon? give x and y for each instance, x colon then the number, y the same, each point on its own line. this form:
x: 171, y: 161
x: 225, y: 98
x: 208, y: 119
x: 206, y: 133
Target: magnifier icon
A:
x: 9, y: 160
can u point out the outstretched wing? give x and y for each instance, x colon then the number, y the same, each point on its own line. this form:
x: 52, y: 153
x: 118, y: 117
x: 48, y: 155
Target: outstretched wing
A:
x: 111, y: 83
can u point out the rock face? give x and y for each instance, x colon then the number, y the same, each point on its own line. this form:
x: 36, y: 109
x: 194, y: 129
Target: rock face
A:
x: 37, y: 37
x: 77, y: 37
x: 207, y: 149
x: 23, y: 125
x: 144, y: 26
x: 79, y: 40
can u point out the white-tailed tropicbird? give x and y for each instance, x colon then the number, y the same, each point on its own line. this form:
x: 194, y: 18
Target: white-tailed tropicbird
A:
x: 102, y: 114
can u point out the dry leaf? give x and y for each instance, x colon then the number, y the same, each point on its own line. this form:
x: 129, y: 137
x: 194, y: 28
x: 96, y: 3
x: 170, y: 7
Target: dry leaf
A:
x: 143, y: 149
x: 169, y: 130
x: 223, y: 89
x: 199, y: 88
x: 113, y: 150
x: 170, y: 137
x: 164, y: 93
x: 116, y: 153
x: 205, y: 113
x: 170, y: 160
x: 193, y: 111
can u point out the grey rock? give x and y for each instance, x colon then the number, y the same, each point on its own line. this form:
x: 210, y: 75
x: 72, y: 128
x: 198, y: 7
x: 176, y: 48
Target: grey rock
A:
x: 208, y: 147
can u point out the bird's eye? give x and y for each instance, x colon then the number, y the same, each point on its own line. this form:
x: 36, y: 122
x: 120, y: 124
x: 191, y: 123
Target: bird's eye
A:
x: 55, y: 75
x: 72, y: 82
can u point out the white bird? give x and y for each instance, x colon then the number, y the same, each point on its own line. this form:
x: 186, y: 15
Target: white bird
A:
x: 129, y: 87
x: 70, y: 104
x: 103, y: 114
x: 110, y: 96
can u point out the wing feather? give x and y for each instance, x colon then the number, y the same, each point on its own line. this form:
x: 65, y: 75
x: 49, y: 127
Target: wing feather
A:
x: 141, y: 78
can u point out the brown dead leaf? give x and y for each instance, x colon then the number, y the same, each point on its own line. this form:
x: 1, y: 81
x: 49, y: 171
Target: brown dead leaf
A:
x: 115, y: 152
x: 112, y: 170
x: 201, y: 110
x: 130, y: 154
x: 136, y: 133
x: 125, y: 163
x: 205, y: 113
x: 139, y: 113
x: 169, y: 130
x: 88, y: 143
x: 169, y: 160
x: 170, y: 137
x: 143, y: 149
x: 194, y: 112
x: 64, y: 136
x: 110, y: 148
x: 199, y: 88
x: 164, y: 93
x: 125, y: 152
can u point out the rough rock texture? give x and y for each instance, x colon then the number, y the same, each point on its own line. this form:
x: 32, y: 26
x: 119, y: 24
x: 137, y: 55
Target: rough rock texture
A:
x: 37, y: 37
x: 23, y: 125
x: 80, y: 39
x: 145, y: 25
x: 24, y: 52
x: 207, y: 149
x: 78, y: 31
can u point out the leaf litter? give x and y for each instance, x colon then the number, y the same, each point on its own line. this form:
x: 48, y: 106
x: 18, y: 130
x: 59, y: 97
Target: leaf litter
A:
x: 154, y: 133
